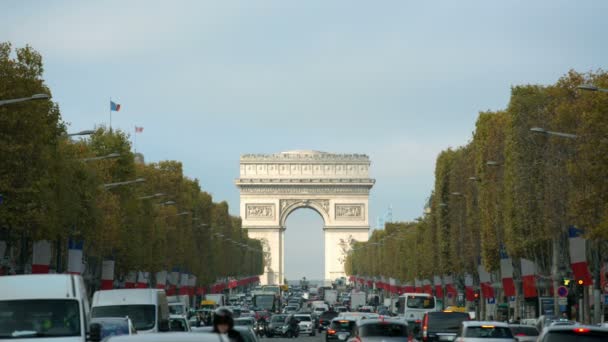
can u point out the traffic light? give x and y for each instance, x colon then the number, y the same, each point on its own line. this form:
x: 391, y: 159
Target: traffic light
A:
x: 476, y: 295
x: 566, y: 282
x: 581, y: 282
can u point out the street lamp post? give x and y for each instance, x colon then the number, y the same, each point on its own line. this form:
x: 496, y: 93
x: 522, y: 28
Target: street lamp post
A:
x: 117, y: 184
x: 108, y: 156
x: 591, y: 87
x: 34, y: 97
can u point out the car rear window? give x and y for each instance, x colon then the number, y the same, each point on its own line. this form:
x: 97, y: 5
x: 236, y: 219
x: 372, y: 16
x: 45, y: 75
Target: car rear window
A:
x: 383, y: 330
x: 329, y: 314
x: 524, y: 331
x: 446, y: 321
x: 568, y: 336
x: 304, y: 318
x: 342, y: 325
x: 489, y: 332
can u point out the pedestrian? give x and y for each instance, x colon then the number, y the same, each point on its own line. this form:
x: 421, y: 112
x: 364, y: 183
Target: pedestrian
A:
x: 223, y: 325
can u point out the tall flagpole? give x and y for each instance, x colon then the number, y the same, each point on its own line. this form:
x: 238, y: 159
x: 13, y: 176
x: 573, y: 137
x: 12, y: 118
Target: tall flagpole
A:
x: 110, y: 114
x: 135, y: 140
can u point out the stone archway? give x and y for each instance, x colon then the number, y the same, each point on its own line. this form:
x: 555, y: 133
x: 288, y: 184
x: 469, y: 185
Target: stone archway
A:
x: 334, y: 185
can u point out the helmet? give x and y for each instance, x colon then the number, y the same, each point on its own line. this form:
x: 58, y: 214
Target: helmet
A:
x: 223, y: 316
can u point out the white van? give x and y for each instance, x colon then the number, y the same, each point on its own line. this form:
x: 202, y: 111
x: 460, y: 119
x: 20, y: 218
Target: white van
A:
x: 147, y: 308
x: 43, y: 307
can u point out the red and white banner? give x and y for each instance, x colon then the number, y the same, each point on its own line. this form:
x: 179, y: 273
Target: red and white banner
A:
x: 41, y: 259
x: 469, y: 291
x: 409, y: 288
x: 528, y: 278
x: 75, y: 260
x: 427, y: 287
x: 173, y: 282
x: 392, y: 285
x: 131, y: 280
x: 161, y: 279
x: 191, y: 284
x: 438, y: 286
x: 183, y: 284
x: 107, y: 275
x: 418, y: 285
x: 143, y: 280
x: 506, y: 274
x: 578, y: 256
x: 485, y: 282
x: 450, y: 289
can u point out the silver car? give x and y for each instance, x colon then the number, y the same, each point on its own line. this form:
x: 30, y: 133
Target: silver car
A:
x: 524, y: 333
x: 480, y: 331
x: 380, y: 330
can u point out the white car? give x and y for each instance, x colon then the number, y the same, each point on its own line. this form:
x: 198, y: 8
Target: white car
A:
x: 480, y: 331
x: 307, y: 325
x: 179, y: 323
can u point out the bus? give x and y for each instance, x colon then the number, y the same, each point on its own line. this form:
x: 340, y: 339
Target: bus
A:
x: 265, y: 301
x: 413, y: 306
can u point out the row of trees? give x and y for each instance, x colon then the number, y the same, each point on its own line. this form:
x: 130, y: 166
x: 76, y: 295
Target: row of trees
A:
x: 513, y: 187
x: 54, y: 188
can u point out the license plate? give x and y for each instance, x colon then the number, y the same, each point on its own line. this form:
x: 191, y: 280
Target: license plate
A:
x: 446, y: 338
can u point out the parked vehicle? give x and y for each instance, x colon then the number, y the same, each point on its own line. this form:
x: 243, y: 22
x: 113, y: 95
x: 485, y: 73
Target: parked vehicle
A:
x: 381, y: 330
x: 577, y: 333
x: 147, y: 308
x: 340, y: 329
x: 524, y: 333
x: 44, y: 307
x: 481, y: 331
x: 442, y: 326
x: 306, y: 324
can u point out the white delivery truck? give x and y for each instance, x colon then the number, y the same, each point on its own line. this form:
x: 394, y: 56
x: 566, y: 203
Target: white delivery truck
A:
x: 44, y: 307
x: 147, y: 308
x: 179, y: 305
x: 331, y: 297
x: 357, y: 300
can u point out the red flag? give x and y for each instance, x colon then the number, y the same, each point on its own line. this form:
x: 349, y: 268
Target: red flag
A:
x: 139, y: 129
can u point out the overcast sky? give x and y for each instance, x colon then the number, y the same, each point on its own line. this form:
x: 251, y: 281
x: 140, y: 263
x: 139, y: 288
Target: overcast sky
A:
x: 397, y: 80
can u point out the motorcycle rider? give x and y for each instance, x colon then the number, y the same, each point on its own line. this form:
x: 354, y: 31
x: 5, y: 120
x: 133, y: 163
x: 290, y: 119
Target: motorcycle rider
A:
x: 262, y: 325
x: 293, y: 326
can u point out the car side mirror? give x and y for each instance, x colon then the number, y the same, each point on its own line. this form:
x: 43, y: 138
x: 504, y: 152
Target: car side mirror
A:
x: 95, y: 332
x: 163, y: 325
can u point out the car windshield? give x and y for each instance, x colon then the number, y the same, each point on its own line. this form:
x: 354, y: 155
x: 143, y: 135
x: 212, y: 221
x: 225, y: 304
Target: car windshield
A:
x: 568, y: 336
x: 446, y: 321
x: 304, y: 318
x: 420, y: 302
x: 142, y: 316
x: 39, y: 318
x: 112, y: 327
x: 178, y: 324
x: 277, y: 319
x: 383, y: 329
x: 243, y: 322
x: 177, y: 310
x: 524, y: 331
x: 488, y: 332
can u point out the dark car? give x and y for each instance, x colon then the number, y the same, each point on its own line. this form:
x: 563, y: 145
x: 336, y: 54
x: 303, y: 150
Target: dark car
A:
x: 442, y: 326
x: 325, y: 319
x: 340, y: 327
x: 381, y: 330
x: 578, y: 333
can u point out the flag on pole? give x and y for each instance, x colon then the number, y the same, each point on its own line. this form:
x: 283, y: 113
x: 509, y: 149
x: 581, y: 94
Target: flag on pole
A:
x: 114, y: 106
x: 578, y: 256
x: 528, y: 278
x: 139, y: 129
x: 506, y: 273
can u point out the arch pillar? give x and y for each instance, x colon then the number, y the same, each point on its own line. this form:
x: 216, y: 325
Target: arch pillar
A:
x: 334, y: 185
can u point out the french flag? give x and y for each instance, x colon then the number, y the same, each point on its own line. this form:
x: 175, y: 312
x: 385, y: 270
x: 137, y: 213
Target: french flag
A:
x: 449, y: 286
x: 115, y: 107
x: 107, y: 274
x: 486, y: 282
x: 438, y: 286
x: 418, y: 286
x: 41, y: 258
x: 427, y: 288
x: 506, y: 273
x: 161, y: 280
x: 183, y: 284
x: 409, y: 288
x: 173, y: 282
x: 578, y: 256
x: 528, y: 278
x: 75, y: 264
x: 143, y: 280
x: 131, y: 280
x: 469, y: 292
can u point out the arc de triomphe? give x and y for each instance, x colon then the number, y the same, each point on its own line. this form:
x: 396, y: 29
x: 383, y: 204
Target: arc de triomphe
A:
x: 334, y: 185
